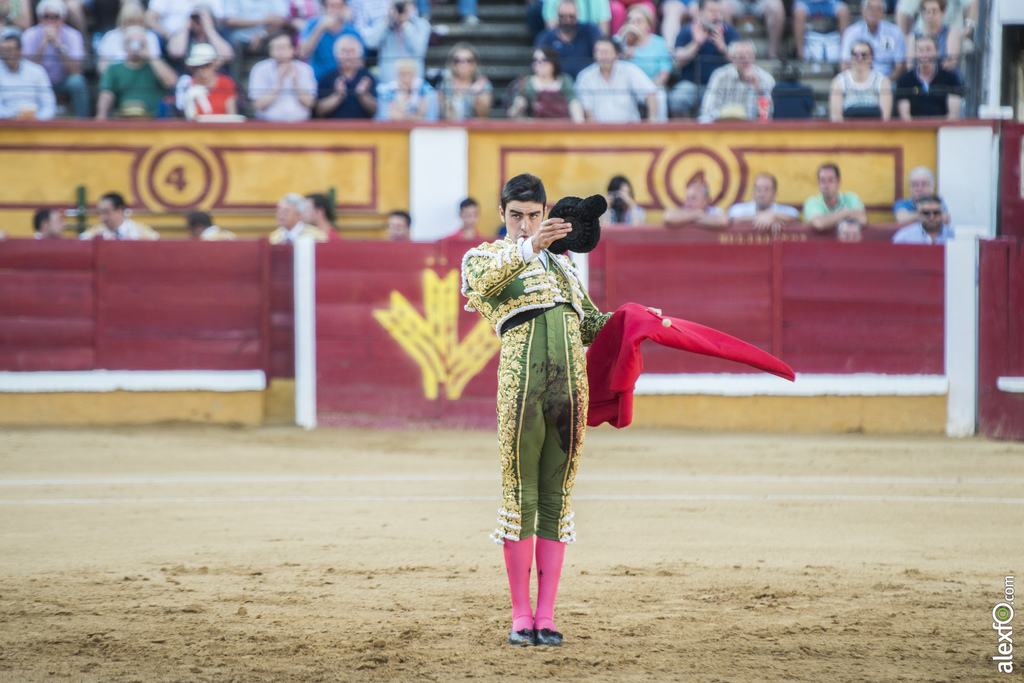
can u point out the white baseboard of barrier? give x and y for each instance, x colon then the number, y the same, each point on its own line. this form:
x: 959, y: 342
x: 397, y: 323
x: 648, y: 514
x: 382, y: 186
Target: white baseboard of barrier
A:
x: 863, y: 384
x: 132, y: 380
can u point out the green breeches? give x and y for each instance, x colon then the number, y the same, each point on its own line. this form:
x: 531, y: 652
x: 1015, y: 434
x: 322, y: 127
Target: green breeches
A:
x: 542, y: 410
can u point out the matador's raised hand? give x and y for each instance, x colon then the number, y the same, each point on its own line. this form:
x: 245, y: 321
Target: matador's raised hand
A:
x: 547, y: 232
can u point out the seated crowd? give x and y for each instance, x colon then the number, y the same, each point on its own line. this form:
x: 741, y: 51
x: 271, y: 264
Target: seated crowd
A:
x: 923, y: 218
x: 593, y: 60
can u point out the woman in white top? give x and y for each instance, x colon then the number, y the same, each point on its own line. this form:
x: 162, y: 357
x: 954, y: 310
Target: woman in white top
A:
x: 111, y: 47
x: 860, y: 92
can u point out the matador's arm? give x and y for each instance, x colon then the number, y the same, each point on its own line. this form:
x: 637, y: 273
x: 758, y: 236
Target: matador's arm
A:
x: 593, y: 320
x: 487, y: 271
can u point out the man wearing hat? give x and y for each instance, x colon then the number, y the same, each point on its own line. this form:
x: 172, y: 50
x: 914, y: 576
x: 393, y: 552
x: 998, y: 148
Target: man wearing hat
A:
x: 535, y: 301
x: 205, y: 92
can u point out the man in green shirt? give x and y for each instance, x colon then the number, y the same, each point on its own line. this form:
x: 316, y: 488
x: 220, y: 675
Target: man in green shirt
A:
x: 823, y: 212
x: 135, y: 86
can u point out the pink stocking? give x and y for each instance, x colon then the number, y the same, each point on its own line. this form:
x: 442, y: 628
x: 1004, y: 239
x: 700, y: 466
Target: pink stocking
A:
x: 518, y: 561
x: 549, y: 570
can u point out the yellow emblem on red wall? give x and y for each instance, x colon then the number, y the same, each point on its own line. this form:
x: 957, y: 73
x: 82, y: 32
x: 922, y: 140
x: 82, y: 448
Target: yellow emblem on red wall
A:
x: 432, y: 340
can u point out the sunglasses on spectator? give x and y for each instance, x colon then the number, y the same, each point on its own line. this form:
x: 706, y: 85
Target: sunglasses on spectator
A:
x: 50, y: 17
x: 463, y: 60
x: 930, y: 212
x: 861, y: 55
x: 566, y: 16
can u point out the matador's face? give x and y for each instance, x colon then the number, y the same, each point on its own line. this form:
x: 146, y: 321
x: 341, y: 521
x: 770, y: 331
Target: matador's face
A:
x: 522, y: 218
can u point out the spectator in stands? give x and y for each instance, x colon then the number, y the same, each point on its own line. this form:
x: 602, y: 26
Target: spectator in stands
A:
x: 548, y: 93
x: 115, y: 223
x: 947, y: 37
x: 922, y: 184
x: 168, y: 18
x: 792, y: 99
x: 763, y: 212
x: 318, y: 39
x: 282, y: 88
x: 734, y: 90
x: 888, y: 45
x: 404, y: 36
x: 399, y: 226
x: 111, y: 47
x: 200, y: 28
x: 320, y: 214
x: 571, y: 39
x: 469, y: 221
x: 250, y: 22
x: 928, y: 89
x: 205, y: 92
x: 931, y: 229
x: 675, y: 13
x: 701, y: 47
x: 849, y: 230
x: 912, y: 18
x: 771, y: 12
x: 25, y: 89
x: 201, y: 227
x: 134, y: 87
x: 819, y: 46
x: 467, y: 11
x: 60, y: 49
x: 408, y: 97
x: 697, y: 211
x: 595, y: 12
x: 48, y: 224
x: 368, y: 14
x: 622, y: 207
x: 465, y: 92
x: 860, y: 91
x: 302, y: 12
x: 16, y: 13
x: 824, y: 211
x: 610, y: 89
x: 349, y: 91
x: 642, y: 46
x: 290, y: 210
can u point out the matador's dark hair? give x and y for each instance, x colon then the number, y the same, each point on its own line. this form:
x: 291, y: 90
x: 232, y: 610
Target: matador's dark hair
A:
x: 525, y: 187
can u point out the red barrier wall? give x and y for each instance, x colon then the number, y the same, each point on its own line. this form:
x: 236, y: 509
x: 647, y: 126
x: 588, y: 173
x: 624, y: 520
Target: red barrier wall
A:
x: 394, y: 340
x: 133, y: 305
x: 1001, y: 337
x: 47, y: 305
x: 362, y: 368
x: 821, y: 307
x: 1011, y: 205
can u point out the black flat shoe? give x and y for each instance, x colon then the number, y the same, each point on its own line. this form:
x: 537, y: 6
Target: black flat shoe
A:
x: 524, y: 637
x: 546, y: 636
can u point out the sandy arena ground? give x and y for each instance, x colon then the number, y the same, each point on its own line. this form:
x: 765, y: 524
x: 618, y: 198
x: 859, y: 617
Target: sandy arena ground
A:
x: 184, y: 553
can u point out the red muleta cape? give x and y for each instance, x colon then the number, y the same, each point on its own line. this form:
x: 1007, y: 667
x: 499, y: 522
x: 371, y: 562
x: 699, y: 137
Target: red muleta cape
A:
x: 614, y: 361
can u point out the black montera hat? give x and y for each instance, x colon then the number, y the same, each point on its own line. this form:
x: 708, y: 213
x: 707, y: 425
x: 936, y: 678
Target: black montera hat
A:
x: 585, y: 217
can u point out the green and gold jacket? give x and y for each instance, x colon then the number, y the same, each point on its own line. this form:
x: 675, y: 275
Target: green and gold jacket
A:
x: 501, y: 285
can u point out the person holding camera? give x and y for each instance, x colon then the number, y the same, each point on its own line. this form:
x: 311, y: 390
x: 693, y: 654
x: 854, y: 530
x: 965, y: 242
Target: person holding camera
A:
x: 200, y: 29
x: 111, y: 46
x: 404, y: 35
x: 622, y: 208
x: 701, y: 48
x: 135, y: 86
